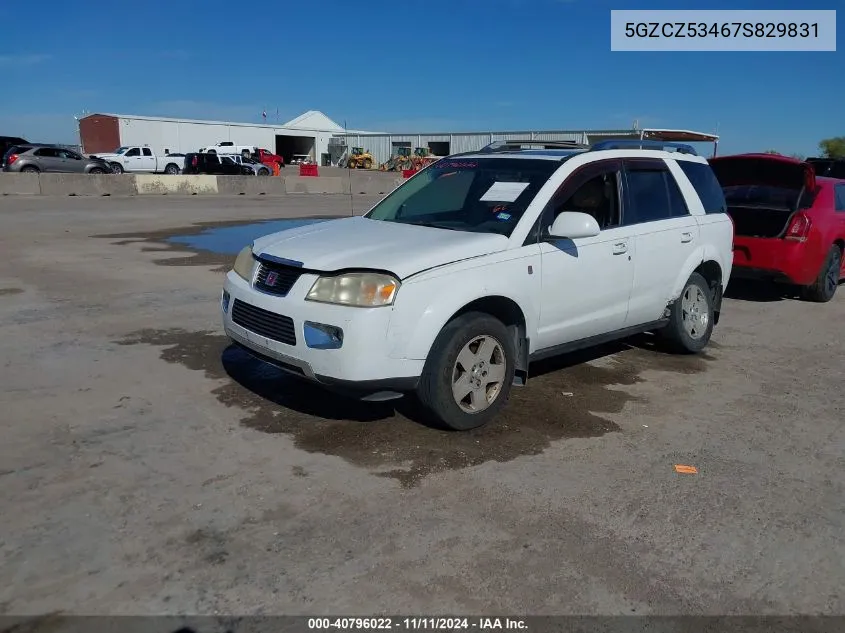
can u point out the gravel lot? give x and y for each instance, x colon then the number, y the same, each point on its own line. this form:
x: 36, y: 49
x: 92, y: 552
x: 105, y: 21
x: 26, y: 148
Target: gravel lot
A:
x: 146, y: 468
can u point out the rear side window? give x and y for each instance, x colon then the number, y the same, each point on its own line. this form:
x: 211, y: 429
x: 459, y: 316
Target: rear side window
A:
x: 706, y: 186
x: 147, y: 151
x: 17, y: 149
x: 840, y: 197
x: 652, y: 193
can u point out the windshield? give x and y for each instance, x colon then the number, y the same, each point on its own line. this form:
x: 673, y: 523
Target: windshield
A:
x: 121, y: 150
x: 484, y: 195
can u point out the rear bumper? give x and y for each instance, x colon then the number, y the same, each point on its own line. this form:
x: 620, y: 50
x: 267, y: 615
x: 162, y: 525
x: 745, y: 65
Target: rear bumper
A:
x: 775, y: 259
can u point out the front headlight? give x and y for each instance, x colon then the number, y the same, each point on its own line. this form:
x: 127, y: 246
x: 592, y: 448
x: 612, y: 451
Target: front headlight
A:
x: 243, y: 263
x: 363, y: 290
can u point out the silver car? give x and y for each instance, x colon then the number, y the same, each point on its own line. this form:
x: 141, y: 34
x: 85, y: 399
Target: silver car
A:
x: 259, y: 169
x: 51, y: 158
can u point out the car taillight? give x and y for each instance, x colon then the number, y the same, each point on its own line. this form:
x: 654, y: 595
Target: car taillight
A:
x: 194, y: 161
x: 799, y: 228
x: 12, y: 158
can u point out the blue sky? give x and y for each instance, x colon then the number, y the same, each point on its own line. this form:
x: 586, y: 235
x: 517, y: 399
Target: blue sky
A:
x: 435, y: 65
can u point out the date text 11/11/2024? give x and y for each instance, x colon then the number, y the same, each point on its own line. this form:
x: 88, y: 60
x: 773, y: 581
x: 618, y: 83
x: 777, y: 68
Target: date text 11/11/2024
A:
x: 415, y: 624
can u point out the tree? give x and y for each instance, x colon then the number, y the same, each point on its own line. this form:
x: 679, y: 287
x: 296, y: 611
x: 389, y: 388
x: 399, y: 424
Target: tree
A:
x: 833, y: 147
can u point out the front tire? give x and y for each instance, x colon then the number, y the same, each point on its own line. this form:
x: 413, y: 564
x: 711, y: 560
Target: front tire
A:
x: 469, y: 372
x: 691, y: 318
x: 117, y: 168
x: 96, y: 170
x: 263, y: 172
x: 827, y: 282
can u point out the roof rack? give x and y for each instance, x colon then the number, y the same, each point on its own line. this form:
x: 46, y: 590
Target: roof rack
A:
x: 630, y: 143
x: 511, y: 145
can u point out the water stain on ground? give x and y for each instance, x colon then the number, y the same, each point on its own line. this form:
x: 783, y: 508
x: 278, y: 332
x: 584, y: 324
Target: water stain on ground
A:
x: 207, y: 243
x: 565, y: 398
x: 10, y: 291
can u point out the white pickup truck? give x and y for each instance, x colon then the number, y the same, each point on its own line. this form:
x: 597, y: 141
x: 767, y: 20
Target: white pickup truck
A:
x: 142, y: 160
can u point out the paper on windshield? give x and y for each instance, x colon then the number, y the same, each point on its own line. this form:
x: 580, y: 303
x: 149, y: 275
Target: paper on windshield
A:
x: 504, y: 191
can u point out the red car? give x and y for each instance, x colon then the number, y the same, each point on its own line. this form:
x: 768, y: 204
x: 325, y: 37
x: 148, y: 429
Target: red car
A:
x: 266, y: 157
x: 789, y: 224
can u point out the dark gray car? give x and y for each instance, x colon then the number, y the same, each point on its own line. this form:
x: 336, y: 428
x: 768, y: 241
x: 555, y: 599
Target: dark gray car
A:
x: 51, y: 158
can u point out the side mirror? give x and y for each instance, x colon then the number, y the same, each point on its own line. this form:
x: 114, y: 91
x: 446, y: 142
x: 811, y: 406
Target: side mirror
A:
x: 572, y: 225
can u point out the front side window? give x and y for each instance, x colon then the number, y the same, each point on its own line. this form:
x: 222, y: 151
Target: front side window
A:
x: 483, y: 195
x: 594, y: 190
x: 133, y: 152
x: 47, y: 152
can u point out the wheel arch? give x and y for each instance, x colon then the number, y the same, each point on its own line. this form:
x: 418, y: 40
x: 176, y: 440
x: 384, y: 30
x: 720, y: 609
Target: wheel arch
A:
x: 436, y: 315
x: 705, y: 263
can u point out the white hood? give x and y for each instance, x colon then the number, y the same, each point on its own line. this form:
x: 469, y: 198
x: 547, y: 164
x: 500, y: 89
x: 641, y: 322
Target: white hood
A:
x: 107, y: 156
x: 401, y: 249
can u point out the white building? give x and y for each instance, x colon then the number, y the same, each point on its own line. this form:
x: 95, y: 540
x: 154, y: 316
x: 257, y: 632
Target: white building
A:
x: 308, y: 134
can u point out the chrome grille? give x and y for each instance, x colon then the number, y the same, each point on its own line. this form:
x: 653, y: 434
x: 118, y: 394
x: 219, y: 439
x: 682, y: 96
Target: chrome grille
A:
x: 285, y: 277
x: 269, y: 324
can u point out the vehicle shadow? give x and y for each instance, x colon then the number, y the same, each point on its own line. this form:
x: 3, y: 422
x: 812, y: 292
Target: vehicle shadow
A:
x: 276, y: 386
x: 760, y: 291
x: 300, y: 395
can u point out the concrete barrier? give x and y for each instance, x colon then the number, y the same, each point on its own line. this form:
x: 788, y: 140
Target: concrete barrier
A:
x: 86, y: 185
x: 313, y: 184
x: 19, y: 184
x: 251, y: 185
x: 163, y: 184
x: 364, y: 183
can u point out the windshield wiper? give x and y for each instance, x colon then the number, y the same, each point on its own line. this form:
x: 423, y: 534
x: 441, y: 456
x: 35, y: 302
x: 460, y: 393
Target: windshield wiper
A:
x: 433, y: 225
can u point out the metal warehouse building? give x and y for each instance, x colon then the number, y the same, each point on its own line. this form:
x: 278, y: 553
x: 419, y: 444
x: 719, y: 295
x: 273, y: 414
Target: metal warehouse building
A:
x: 383, y: 146
x: 315, y: 134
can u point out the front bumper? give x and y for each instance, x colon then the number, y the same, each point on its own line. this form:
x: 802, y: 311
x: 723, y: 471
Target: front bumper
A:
x: 361, y: 366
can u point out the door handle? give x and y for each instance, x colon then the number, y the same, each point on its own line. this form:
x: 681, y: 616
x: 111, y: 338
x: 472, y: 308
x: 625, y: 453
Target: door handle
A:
x: 620, y: 247
x: 686, y: 237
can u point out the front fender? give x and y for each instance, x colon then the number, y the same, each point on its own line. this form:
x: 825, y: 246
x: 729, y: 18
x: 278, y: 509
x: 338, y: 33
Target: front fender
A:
x: 425, y: 305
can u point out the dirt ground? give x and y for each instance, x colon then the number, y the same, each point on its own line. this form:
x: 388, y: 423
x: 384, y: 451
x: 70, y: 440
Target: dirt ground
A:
x: 148, y: 468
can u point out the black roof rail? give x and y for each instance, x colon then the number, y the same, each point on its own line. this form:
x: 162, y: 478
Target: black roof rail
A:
x: 630, y: 143
x: 517, y: 144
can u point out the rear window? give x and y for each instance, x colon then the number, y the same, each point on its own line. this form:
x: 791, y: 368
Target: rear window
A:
x: 17, y: 149
x: 706, y: 186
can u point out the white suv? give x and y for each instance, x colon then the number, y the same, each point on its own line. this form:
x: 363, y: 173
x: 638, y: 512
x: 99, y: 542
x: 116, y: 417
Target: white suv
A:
x: 483, y: 262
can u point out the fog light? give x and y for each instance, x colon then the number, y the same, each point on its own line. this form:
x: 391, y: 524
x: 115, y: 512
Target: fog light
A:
x: 322, y: 336
x: 224, y: 302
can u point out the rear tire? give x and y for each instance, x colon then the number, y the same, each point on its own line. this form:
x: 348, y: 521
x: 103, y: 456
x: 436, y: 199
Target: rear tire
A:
x: 29, y: 169
x: 368, y: 164
x: 469, y: 372
x: 171, y: 169
x: 827, y: 282
x: 691, y: 318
